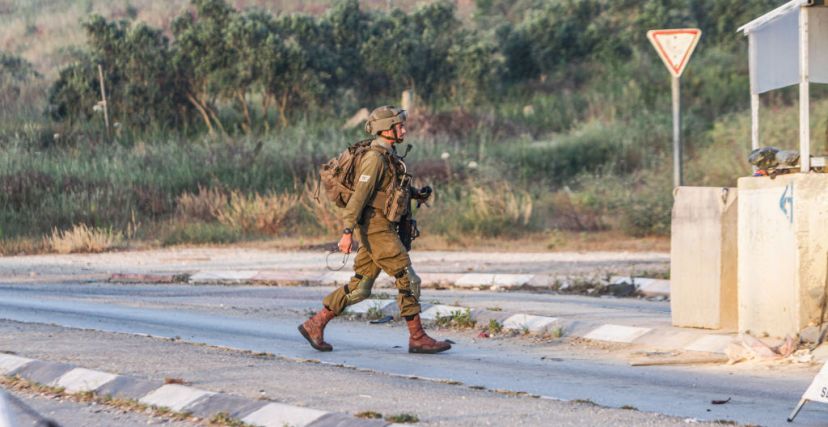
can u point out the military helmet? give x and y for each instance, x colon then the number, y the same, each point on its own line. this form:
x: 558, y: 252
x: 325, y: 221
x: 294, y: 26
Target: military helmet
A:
x: 384, y: 118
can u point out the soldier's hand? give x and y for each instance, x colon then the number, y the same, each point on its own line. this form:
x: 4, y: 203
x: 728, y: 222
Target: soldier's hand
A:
x: 346, y: 243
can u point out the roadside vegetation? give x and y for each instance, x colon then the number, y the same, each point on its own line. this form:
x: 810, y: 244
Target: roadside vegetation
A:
x: 529, y: 117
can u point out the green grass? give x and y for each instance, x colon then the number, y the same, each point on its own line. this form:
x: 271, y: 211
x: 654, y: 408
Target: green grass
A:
x: 461, y: 319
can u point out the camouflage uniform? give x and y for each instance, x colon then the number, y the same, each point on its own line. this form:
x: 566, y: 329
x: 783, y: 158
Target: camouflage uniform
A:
x: 372, y: 209
x: 380, y: 249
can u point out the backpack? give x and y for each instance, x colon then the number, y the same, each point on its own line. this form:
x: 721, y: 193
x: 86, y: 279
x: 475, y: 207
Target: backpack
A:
x: 337, y: 175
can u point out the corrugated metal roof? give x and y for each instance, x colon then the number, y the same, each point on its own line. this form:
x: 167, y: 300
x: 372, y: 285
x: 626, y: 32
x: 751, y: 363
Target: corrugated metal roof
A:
x: 772, y: 15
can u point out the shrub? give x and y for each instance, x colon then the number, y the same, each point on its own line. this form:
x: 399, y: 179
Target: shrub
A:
x: 81, y: 238
x: 324, y: 212
x: 260, y: 213
x: 203, y: 205
x: 199, y: 233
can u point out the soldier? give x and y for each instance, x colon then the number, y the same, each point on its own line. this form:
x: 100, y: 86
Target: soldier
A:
x: 379, y: 173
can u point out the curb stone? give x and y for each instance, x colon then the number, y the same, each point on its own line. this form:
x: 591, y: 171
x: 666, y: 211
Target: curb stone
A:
x: 201, y: 403
x: 657, y: 337
x: 489, y: 281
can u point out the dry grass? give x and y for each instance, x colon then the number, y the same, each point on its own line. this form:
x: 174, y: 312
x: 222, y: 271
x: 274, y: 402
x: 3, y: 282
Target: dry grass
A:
x: 23, y: 246
x: 324, y: 212
x: 502, y: 201
x: 259, y: 213
x: 84, y: 239
x: 203, y: 205
x: 554, y: 241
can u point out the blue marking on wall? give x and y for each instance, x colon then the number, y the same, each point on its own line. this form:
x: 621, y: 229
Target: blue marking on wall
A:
x: 786, y: 202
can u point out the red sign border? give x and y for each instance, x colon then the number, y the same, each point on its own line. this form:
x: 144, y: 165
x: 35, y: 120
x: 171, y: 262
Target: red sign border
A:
x: 677, y: 71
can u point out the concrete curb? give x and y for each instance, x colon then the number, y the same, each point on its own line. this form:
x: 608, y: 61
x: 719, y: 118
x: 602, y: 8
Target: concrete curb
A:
x: 663, y: 338
x: 480, y: 281
x: 179, y: 398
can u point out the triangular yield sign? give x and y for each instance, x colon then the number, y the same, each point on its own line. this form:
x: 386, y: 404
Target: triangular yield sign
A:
x: 675, y: 47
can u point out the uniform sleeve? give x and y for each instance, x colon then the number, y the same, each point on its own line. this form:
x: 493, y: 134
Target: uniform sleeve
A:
x: 366, y: 181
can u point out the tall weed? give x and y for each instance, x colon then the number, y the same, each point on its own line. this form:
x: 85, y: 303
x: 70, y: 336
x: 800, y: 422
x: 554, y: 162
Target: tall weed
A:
x: 257, y: 213
x: 203, y: 205
x: 81, y: 238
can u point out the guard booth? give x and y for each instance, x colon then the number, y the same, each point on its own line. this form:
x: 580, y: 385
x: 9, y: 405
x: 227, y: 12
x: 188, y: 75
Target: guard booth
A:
x: 783, y: 221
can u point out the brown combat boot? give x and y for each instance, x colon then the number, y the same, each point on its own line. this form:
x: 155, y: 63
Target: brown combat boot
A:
x: 419, y: 342
x: 314, y: 329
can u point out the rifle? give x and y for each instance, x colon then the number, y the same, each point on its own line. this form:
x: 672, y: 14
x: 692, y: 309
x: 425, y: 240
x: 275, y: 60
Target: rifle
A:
x: 407, y: 227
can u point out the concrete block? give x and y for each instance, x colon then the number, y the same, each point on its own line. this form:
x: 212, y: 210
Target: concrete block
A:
x: 149, y: 278
x: 336, y: 277
x: 174, y: 396
x: 278, y: 415
x: 543, y: 281
x: 512, y: 280
x: 237, y: 407
x: 432, y: 312
x: 534, y: 324
x: 617, y: 333
x: 711, y: 343
x: 658, y: 287
x: 81, y: 379
x: 123, y: 387
x: 364, y: 306
x: 342, y: 420
x: 668, y: 338
x: 223, y: 276
x: 42, y: 372
x: 286, y: 277
x: 10, y: 362
x: 439, y: 279
x: 782, y: 252
x: 472, y: 280
x: 702, y: 289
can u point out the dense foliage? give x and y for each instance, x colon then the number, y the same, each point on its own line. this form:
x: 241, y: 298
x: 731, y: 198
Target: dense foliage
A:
x: 219, y: 58
x: 534, y: 115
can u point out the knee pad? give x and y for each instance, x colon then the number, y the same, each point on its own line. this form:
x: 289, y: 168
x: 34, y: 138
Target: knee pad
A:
x: 362, y: 290
x: 408, y: 282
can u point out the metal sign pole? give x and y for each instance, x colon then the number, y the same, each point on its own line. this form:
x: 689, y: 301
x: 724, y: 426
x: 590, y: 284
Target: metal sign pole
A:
x: 674, y: 47
x: 678, y: 176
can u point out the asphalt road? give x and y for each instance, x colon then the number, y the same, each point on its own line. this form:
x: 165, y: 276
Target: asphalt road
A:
x: 211, y: 315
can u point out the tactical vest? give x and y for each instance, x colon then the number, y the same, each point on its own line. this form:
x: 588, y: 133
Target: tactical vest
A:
x: 338, y: 174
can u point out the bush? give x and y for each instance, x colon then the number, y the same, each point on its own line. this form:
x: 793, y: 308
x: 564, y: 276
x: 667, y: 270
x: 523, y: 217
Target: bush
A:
x: 81, y: 238
x: 494, y: 209
x: 260, y: 213
x: 199, y: 233
x: 203, y: 205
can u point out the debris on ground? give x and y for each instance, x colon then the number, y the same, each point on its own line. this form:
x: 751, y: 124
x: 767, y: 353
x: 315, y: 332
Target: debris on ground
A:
x: 381, y: 320
x: 720, y: 402
x: 748, y: 347
x: 677, y: 358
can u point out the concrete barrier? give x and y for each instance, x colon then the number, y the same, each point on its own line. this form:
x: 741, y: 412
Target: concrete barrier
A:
x: 703, y: 286
x: 783, y: 240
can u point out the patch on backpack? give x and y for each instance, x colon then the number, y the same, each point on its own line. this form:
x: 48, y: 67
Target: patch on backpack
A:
x: 364, y: 178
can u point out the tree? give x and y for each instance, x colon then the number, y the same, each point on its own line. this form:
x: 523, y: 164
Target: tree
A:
x: 248, y: 34
x: 301, y: 64
x: 413, y: 50
x: 478, y: 66
x: 202, y: 58
x: 14, y: 73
